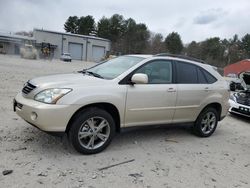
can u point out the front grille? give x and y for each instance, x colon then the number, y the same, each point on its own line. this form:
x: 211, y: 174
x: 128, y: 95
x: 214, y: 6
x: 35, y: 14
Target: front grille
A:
x: 241, y: 111
x: 28, y: 88
x: 244, y: 101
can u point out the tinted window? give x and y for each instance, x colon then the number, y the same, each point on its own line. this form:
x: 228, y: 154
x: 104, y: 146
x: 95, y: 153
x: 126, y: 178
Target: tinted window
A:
x: 186, y: 73
x: 159, y: 72
x: 209, y: 77
x: 201, y: 76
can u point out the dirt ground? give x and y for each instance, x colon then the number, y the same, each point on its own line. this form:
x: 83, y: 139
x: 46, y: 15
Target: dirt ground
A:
x: 169, y: 156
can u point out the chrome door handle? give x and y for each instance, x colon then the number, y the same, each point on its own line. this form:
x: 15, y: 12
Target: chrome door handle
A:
x: 171, y: 90
x: 206, y: 89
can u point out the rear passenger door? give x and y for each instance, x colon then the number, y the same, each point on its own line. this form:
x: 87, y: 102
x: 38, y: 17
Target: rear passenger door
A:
x: 193, y: 88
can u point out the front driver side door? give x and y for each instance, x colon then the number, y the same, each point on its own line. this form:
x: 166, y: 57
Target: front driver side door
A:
x: 152, y: 103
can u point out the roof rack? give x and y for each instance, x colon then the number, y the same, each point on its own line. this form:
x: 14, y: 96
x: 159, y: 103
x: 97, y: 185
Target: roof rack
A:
x: 182, y: 57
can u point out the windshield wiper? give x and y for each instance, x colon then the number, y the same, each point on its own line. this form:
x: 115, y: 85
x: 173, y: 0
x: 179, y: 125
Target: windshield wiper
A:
x: 91, y: 73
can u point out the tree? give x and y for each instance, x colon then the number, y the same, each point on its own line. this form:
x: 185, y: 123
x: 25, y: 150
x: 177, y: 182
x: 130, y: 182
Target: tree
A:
x: 156, y: 44
x: 212, y: 51
x: 128, y: 38
x: 117, y: 27
x: 246, y: 44
x: 71, y: 25
x: 103, y: 28
x: 173, y: 43
x: 86, y: 25
x: 141, y: 38
x: 211, y: 48
x: 193, y: 50
x: 233, y: 51
x: 126, y: 35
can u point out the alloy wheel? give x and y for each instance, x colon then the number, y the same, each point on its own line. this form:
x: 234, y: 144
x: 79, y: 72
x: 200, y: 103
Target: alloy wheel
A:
x: 94, y: 132
x: 208, y: 122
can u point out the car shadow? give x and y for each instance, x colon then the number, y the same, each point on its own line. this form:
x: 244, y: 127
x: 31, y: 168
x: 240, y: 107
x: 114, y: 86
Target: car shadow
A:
x: 148, y: 134
x: 240, y: 117
x: 43, y: 143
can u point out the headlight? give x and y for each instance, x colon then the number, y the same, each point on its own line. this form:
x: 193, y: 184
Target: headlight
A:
x: 51, y: 96
x: 232, y: 97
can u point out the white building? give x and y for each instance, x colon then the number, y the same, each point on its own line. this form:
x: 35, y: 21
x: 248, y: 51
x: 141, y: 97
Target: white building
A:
x: 81, y: 47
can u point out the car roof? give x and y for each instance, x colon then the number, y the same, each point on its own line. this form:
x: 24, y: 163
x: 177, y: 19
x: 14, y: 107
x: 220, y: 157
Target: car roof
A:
x: 170, y: 56
x: 181, y: 58
x: 141, y: 55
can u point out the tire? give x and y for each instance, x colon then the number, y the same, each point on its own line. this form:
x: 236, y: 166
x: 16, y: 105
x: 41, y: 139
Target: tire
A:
x: 206, y: 123
x: 91, y: 131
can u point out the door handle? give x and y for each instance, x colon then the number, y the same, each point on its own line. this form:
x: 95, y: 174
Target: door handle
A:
x: 206, y: 89
x: 171, y: 90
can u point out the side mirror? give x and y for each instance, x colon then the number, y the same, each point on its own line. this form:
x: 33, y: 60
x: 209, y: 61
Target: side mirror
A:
x: 139, y: 78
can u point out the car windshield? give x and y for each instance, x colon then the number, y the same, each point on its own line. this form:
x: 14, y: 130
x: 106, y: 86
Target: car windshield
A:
x: 114, y: 67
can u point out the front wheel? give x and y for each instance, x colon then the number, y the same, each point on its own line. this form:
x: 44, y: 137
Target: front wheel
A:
x: 206, y: 122
x: 92, y: 130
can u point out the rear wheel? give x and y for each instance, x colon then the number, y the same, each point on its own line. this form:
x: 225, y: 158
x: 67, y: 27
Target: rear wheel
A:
x: 92, y: 130
x: 206, y: 123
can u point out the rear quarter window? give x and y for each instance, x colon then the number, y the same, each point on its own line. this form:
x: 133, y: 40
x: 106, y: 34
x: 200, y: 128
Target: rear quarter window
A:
x: 209, y: 77
x: 201, y: 77
x: 188, y: 73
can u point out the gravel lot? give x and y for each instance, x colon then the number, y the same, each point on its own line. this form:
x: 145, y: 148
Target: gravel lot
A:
x: 164, y: 157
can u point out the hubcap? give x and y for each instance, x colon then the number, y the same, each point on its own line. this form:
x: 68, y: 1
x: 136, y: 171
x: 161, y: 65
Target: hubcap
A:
x: 94, y: 132
x: 208, y: 122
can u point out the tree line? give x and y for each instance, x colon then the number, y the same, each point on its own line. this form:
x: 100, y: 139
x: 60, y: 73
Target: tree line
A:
x: 129, y: 37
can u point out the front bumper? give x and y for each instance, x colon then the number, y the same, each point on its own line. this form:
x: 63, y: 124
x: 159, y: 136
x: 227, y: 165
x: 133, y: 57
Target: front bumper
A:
x: 47, y: 117
x: 240, y: 109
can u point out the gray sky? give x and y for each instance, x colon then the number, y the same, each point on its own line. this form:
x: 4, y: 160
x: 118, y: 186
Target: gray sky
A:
x: 192, y: 19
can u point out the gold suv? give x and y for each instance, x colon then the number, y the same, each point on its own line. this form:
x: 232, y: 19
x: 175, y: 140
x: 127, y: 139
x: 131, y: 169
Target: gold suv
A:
x: 92, y: 105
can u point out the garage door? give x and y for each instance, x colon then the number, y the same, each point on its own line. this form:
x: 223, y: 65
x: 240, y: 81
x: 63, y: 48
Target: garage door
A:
x: 98, y: 52
x: 76, y: 50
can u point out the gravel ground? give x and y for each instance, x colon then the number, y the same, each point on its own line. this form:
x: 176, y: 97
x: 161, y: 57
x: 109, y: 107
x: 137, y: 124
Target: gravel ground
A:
x: 169, y: 156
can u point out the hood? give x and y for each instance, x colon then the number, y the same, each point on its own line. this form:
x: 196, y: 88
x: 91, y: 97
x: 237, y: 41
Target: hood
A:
x: 66, y: 80
x: 245, y: 77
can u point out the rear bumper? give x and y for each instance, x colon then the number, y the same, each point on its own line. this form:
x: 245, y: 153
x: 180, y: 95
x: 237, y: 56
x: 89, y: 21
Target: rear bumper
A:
x: 240, y: 109
x: 47, y: 117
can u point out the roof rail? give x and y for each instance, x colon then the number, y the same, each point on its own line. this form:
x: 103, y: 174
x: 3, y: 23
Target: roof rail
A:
x: 182, y: 57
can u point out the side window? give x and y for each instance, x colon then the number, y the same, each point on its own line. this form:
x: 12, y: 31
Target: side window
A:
x: 158, y: 71
x: 201, y: 77
x: 186, y: 73
x: 210, y: 79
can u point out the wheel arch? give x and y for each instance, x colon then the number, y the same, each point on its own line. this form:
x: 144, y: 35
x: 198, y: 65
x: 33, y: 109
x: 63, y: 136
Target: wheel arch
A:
x: 110, y: 108
x: 217, y: 106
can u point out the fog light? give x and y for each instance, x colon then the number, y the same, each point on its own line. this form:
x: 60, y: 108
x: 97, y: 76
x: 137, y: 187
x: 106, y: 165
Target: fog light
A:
x: 33, y: 116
